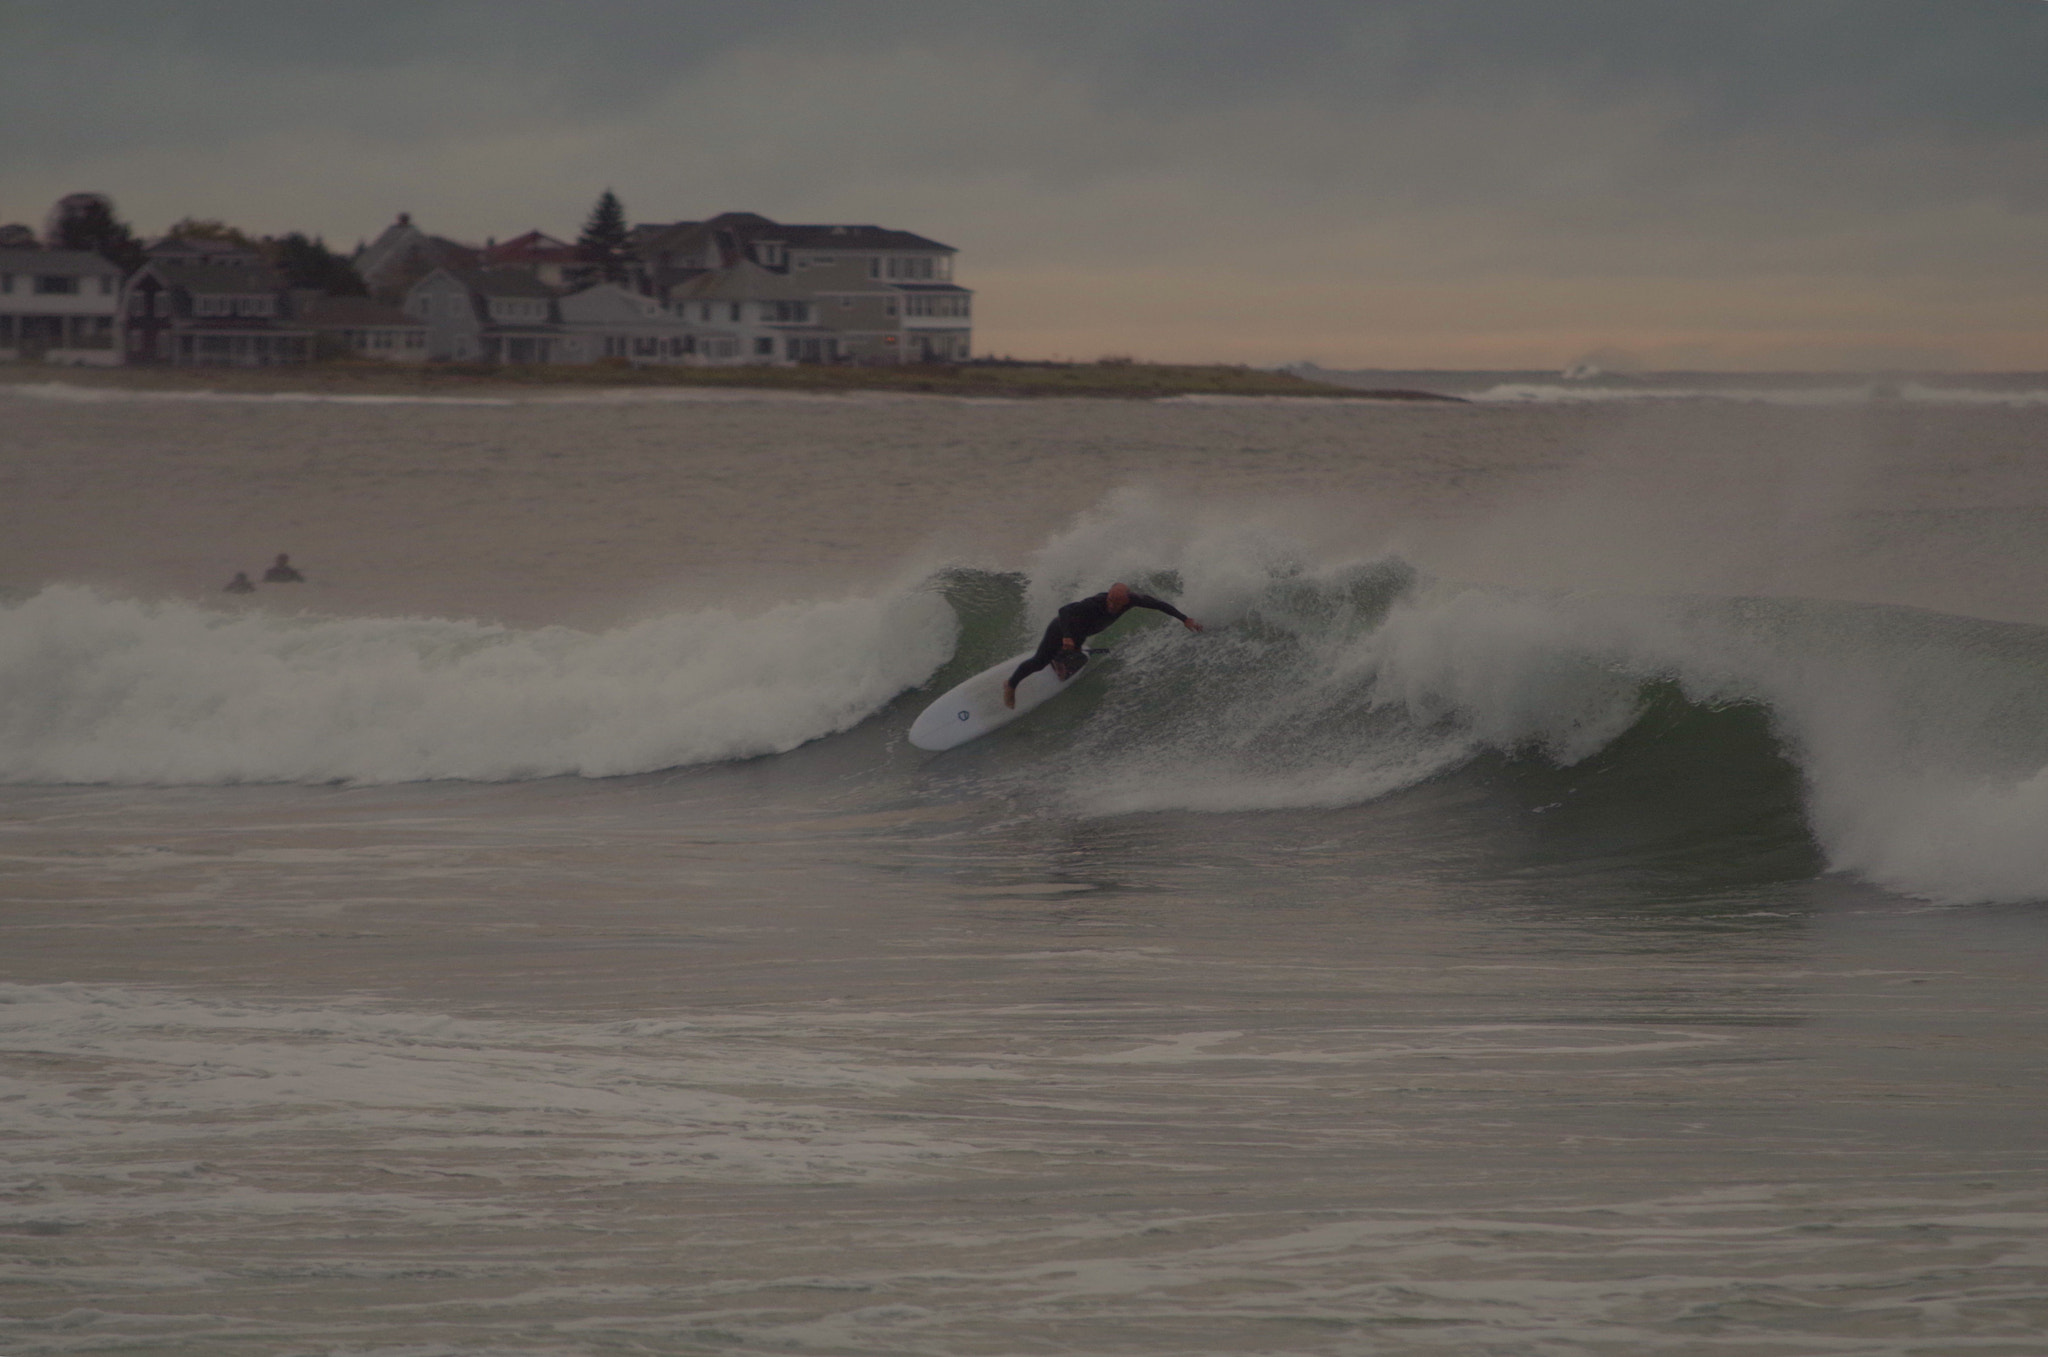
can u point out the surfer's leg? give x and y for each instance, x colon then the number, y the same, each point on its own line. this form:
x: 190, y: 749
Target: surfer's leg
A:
x: 1048, y: 647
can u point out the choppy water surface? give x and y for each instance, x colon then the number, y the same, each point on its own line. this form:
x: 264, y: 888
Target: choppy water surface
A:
x: 1583, y: 894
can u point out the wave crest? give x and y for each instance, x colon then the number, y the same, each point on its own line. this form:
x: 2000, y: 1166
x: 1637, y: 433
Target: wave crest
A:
x: 96, y: 689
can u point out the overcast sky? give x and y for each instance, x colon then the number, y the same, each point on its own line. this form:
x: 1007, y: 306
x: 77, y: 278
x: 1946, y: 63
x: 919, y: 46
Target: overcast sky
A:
x: 1392, y: 183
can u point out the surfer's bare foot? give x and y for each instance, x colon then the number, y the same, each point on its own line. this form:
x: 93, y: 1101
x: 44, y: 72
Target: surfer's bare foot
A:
x: 1010, y: 695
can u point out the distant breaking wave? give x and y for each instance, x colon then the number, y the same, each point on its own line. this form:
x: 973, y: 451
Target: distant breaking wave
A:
x: 1846, y: 393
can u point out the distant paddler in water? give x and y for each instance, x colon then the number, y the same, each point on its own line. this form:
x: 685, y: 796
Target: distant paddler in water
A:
x: 240, y: 584
x: 282, y: 572
x: 1079, y: 620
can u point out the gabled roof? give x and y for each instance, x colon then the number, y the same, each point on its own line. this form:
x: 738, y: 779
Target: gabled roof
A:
x: 531, y: 248
x: 736, y: 231
x: 403, y: 244
x: 851, y: 238
x: 744, y: 281
x: 610, y: 304
x: 83, y: 262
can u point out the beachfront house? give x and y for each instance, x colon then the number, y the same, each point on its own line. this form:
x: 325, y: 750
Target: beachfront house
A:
x: 58, y: 306
x: 774, y: 318
x: 209, y: 303
x: 488, y: 316
x: 808, y: 293
x: 360, y: 327
x: 611, y: 322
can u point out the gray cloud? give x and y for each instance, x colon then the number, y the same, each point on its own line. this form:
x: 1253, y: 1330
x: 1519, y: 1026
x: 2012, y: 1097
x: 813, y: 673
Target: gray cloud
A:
x: 1838, y: 163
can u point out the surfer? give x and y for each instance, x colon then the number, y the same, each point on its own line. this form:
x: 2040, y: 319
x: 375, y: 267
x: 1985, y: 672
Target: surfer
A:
x: 282, y: 572
x: 1079, y: 620
x: 240, y: 584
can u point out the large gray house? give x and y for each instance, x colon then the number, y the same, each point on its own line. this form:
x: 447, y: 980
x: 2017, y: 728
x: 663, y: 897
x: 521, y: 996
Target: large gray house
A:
x: 488, y: 316
x: 201, y: 302
x: 810, y: 293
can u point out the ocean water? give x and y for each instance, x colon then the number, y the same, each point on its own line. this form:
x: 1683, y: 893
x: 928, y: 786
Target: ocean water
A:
x: 1585, y: 893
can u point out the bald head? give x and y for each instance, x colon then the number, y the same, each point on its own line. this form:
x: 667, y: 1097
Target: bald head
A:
x: 1119, y: 597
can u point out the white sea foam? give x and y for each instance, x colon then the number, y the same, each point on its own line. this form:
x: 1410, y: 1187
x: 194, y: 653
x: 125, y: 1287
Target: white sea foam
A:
x: 180, y: 1081
x: 1828, y: 394
x: 98, y: 689
x: 1547, y: 393
x: 1920, y: 738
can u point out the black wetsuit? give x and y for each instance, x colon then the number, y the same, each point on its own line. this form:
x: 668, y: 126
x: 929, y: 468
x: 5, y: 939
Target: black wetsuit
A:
x: 1080, y: 620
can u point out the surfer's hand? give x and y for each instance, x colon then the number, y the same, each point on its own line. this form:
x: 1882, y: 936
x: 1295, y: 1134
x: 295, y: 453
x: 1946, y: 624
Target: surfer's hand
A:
x: 1067, y: 643
x: 1191, y: 624
x: 1010, y: 695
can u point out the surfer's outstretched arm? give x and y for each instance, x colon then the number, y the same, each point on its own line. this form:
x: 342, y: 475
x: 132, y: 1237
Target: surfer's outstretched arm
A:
x: 1139, y: 600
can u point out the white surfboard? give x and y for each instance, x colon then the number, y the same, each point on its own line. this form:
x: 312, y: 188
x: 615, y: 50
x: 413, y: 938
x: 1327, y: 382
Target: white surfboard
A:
x: 975, y: 707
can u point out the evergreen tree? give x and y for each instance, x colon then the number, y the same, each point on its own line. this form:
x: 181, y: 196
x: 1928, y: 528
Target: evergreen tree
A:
x: 603, y: 241
x: 93, y: 226
x: 310, y: 264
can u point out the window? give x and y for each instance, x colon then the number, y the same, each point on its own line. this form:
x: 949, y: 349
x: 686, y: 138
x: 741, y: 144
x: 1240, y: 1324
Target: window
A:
x: 56, y: 284
x: 735, y: 313
x: 765, y: 347
x: 786, y: 313
x: 6, y: 282
x: 951, y: 304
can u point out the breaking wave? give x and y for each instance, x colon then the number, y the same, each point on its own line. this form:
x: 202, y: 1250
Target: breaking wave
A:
x: 99, y: 689
x: 1907, y: 747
